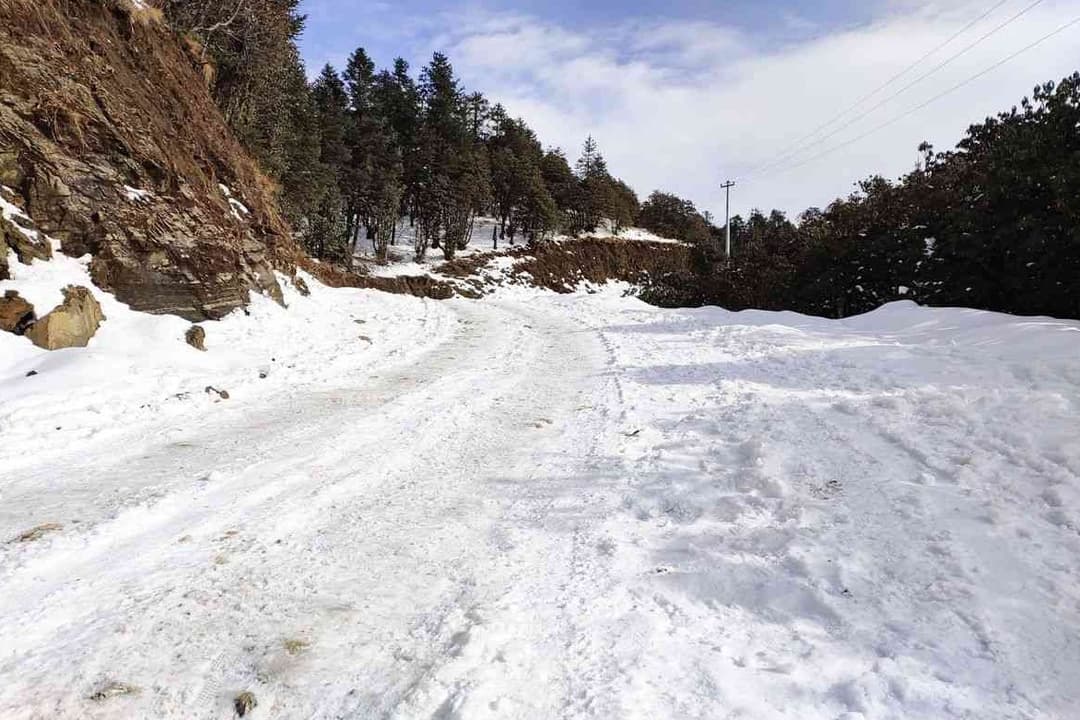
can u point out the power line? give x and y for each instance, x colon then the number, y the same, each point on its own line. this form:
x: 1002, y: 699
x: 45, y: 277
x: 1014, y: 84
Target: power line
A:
x: 904, y: 89
x: 784, y: 153
x: 934, y: 99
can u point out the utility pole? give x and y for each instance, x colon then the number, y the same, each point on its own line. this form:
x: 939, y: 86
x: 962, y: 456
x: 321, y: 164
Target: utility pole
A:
x: 726, y: 187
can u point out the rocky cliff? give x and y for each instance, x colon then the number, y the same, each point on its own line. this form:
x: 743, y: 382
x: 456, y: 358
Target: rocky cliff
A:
x: 112, y: 144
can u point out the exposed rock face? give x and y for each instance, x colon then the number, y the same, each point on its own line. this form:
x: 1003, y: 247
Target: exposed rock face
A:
x: 28, y: 246
x: 70, y: 324
x: 417, y: 285
x: 114, y: 146
x: 16, y: 315
x: 196, y: 337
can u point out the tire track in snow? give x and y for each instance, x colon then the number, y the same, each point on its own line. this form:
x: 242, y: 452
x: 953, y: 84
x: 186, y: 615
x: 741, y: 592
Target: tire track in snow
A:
x: 378, y: 560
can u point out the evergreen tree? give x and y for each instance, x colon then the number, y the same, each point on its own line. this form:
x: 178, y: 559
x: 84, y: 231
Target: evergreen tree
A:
x: 404, y: 114
x: 992, y: 224
x: 521, y: 199
x: 565, y: 190
x: 453, y: 177
x: 599, y: 198
x: 304, y: 174
x: 360, y: 181
x: 331, y: 104
x: 591, y: 164
x: 673, y: 217
x: 250, y: 58
x: 623, y: 205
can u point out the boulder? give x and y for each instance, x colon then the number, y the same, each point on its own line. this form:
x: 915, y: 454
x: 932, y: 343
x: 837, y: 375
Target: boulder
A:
x: 16, y: 315
x: 196, y: 337
x: 70, y: 324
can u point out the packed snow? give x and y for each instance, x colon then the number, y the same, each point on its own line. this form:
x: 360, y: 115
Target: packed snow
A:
x: 540, y: 506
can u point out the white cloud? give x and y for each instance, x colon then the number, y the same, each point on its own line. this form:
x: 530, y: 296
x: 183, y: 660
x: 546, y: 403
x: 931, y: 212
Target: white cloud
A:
x: 683, y: 105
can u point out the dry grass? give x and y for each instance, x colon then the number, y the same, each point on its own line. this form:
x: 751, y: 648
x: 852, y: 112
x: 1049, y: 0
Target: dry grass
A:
x: 201, y: 58
x: 59, y: 114
x: 36, y: 533
x: 143, y: 12
x: 295, y: 646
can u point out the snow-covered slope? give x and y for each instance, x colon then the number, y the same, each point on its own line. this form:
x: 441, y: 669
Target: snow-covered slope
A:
x: 540, y: 506
x: 139, y: 369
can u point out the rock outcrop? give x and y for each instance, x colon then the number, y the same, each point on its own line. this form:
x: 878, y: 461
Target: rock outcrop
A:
x: 27, y: 244
x: 114, y: 147
x: 70, y: 324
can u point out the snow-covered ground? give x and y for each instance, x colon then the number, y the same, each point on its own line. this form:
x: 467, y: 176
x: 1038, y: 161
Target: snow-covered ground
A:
x: 541, y: 506
x: 401, y: 260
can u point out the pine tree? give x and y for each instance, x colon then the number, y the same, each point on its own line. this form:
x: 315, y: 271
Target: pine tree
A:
x: 623, y: 205
x: 403, y: 112
x: 330, y: 99
x: 565, y: 190
x: 303, y: 170
x: 670, y: 216
x: 591, y: 164
x: 249, y: 55
x: 596, y: 184
x: 453, y: 179
x: 359, y: 180
x: 521, y: 198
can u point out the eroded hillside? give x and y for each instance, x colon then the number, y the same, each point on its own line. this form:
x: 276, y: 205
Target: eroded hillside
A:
x: 111, y: 143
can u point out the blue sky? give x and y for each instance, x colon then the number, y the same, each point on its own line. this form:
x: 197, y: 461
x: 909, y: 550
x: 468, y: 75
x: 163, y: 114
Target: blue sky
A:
x: 390, y: 29
x: 682, y: 94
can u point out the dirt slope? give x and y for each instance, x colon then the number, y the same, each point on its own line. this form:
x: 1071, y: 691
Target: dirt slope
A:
x: 111, y: 141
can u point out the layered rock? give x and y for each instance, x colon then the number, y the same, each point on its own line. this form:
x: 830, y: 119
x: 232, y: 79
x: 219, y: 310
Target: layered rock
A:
x: 114, y: 147
x: 27, y: 244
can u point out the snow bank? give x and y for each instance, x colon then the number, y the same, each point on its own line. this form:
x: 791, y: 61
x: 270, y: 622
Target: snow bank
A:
x: 876, y: 517
x: 138, y: 369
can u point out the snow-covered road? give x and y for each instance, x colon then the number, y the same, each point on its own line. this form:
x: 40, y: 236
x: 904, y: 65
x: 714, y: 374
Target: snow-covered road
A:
x: 566, y: 507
